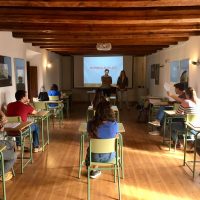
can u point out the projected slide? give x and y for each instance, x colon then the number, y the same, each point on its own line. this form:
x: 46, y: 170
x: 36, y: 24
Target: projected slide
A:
x: 94, y: 68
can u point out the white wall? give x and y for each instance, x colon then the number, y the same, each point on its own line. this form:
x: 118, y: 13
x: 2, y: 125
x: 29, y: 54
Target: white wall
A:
x: 184, y: 50
x: 15, y: 48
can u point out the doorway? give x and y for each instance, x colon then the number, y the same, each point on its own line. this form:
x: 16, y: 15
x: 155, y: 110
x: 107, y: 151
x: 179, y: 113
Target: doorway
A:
x: 32, y: 80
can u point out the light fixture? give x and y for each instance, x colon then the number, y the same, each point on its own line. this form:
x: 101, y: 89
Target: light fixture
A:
x: 196, y: 62
x: 104, y: 46
x: 49, y: 65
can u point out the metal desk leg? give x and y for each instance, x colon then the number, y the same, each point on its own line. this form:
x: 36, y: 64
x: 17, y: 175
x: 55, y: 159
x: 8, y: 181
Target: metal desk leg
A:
x: 3, y: 176
x: 47, y: 119
x: 195, y: 153
x: 164, y: 128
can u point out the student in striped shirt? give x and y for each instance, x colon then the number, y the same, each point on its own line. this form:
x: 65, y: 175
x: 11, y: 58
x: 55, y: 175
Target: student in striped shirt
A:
x: 191, y: 105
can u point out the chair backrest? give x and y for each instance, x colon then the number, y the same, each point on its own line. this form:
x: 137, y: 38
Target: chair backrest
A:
x: 14, y: 119
x: 176, y: 106
x: 103, y: 145
x: 53, y: 98
x: 193, y: 119
x: 40, y: 105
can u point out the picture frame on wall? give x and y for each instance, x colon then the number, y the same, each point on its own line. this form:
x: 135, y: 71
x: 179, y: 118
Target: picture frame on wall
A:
x: 20, y: 73
x: 179, y: 71
x: 157, y: 74
x: 5, y: 71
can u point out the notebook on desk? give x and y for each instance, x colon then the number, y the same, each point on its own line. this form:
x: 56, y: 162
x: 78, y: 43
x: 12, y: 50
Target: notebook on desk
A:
x: 11, y: 124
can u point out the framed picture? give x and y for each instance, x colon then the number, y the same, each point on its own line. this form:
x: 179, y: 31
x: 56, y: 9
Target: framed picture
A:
x: 20, y: 73
x: 157, y: 74
x: 5, y: 71
x: 179, y: 71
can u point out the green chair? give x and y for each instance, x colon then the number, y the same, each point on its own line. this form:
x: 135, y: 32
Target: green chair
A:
x: 56, y: 110
x: 22, y: 135
x: 40, y: 105
x: 104, y: 146
x: 192, y: 120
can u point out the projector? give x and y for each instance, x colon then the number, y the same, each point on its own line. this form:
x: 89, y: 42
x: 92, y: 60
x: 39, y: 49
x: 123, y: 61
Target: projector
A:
x: 104, y: 46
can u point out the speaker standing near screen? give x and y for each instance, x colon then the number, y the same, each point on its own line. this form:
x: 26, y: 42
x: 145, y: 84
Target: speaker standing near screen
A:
x: 122, y: 84
x: 106, y: 83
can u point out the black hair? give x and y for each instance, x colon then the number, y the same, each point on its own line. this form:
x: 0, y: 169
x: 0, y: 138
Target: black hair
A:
x: 20, y: 94
x: 54, y: 87
x: 106, y: 70
x: 179, y: 86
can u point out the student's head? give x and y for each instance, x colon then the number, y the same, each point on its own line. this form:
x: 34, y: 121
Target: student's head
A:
x: 42, y: 89
x: 54, y: 87
x: 123, y: 73
x: 104, y: 112
x: 179, y: 88
x: 190, y: 93
x: 20, y: 79
x: 106, y: 71
x: 21, y: 95
x: 98, y: 97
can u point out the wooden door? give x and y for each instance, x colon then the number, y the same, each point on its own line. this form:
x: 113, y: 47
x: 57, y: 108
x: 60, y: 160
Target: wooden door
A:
x: 32, y: 79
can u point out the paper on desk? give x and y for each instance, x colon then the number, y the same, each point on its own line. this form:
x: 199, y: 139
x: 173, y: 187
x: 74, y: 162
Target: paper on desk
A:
x: 167, y: 86
x: 11, y: 124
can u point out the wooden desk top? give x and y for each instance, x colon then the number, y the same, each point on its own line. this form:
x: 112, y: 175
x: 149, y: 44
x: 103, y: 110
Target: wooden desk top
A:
x: 170, y: 112
x: 83, y: 127
x: 41, y: 113
x: 19, y: 128
x: 59, y: 101
x: 114, y: 108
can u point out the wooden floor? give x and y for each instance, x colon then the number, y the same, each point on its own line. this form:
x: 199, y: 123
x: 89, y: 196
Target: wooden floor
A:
x: 151, y: 171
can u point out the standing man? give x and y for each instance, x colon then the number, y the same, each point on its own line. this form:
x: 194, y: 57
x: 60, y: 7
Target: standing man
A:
x: 106, y: 83
x: 22, y: 108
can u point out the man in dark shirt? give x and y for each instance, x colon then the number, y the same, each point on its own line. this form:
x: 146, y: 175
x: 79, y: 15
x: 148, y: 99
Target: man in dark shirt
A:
x: 22, y: 108
x: 106, y: 83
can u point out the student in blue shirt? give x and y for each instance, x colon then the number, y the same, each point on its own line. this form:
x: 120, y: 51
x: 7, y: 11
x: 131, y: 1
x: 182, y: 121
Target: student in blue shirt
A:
x: 54, y: 92
x: 103, y: 126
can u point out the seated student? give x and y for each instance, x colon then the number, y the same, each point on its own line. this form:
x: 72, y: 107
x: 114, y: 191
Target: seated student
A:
x: 97, y: 98
x: 43, y: 95
x: 54, y: 92
x: 179, y: 89
x: 103, y: 126
x: 9, y: 155
x: 191, y: 105
x: 22, y: 108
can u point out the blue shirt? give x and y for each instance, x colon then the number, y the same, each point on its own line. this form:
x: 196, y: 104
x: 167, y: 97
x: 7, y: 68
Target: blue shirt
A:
x: 53, y: 93
x: 104, y: 131
x: 107, y: 130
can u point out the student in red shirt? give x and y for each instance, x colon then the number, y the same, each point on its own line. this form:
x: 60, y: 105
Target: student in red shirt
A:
x: 22, y: 108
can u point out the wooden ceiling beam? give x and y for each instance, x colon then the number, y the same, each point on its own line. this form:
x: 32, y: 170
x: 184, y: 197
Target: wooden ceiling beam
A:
x: 101, y: 36
x: 99, y: 4
x: 106, y: 32
x: 114, y: 41
x: 139, y: 43
x: 105, y: 37
x: 48, y: 28
x: 104, y: 22
x: 124, y: 14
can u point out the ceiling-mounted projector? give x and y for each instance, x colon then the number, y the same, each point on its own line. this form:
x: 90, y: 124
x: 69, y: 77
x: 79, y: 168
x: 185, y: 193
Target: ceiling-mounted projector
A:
x: 104, y: 46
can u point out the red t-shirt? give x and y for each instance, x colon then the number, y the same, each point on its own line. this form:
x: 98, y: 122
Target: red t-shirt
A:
x: 19, y: 109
